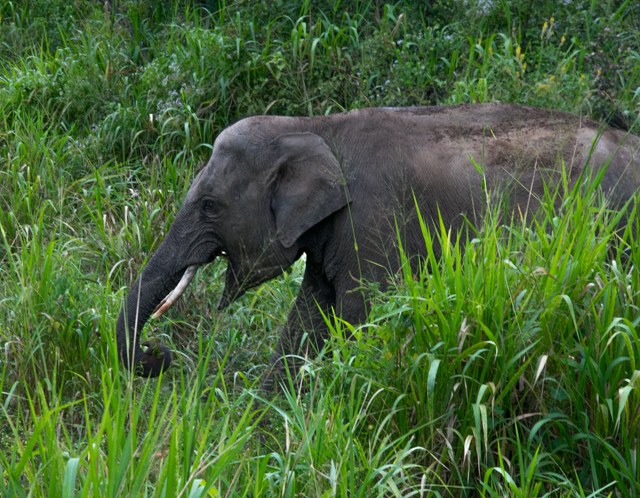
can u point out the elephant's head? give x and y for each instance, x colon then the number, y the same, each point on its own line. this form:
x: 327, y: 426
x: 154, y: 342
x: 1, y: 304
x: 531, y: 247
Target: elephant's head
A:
x: 260, y: 191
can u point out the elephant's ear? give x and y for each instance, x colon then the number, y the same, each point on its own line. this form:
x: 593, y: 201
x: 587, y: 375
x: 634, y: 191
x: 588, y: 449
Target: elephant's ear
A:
x: 309, y: 184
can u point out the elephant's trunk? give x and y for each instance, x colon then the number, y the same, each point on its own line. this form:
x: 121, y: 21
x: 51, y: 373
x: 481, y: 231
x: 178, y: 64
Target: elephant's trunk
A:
x: 155, y: 282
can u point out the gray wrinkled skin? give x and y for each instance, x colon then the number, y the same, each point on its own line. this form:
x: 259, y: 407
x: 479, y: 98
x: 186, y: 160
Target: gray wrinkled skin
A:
x: 276, y: 188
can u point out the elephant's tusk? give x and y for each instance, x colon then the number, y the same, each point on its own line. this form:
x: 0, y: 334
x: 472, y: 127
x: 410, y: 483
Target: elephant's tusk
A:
x: 173, y: 296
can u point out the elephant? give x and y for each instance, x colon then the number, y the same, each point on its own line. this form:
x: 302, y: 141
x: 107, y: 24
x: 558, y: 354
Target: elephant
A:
x: 346, y: 190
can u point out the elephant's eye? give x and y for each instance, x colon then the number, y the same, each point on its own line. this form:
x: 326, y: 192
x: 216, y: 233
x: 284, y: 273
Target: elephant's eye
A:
x: 208, y: 205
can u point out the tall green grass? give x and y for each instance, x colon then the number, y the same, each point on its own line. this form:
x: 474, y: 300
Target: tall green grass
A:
x: 513, y: 358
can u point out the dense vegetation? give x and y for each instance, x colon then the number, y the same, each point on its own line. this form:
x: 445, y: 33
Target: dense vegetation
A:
x: 510, y: 369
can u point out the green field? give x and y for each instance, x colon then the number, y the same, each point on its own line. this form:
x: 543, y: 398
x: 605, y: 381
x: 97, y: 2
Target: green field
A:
x: 511, y: 368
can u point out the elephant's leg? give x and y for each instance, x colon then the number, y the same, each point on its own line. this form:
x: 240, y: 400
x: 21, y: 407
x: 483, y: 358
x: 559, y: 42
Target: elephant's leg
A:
x: 305, y: 317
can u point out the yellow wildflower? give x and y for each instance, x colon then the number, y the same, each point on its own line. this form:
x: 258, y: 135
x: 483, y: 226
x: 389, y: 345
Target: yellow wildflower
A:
x: 563, y: 69
x: 551, y: 22
x: 517, y: 52
x: 552, y: 78
x: 524, y: 67
x: 517, y: 74
x: 582, y: 78
x: 562, y: 40
x: 544, y: 27
x: 599, y: 72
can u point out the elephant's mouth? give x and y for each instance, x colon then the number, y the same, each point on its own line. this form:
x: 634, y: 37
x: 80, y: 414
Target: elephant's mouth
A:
x: 232, y: 288
x: 173, y: 296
